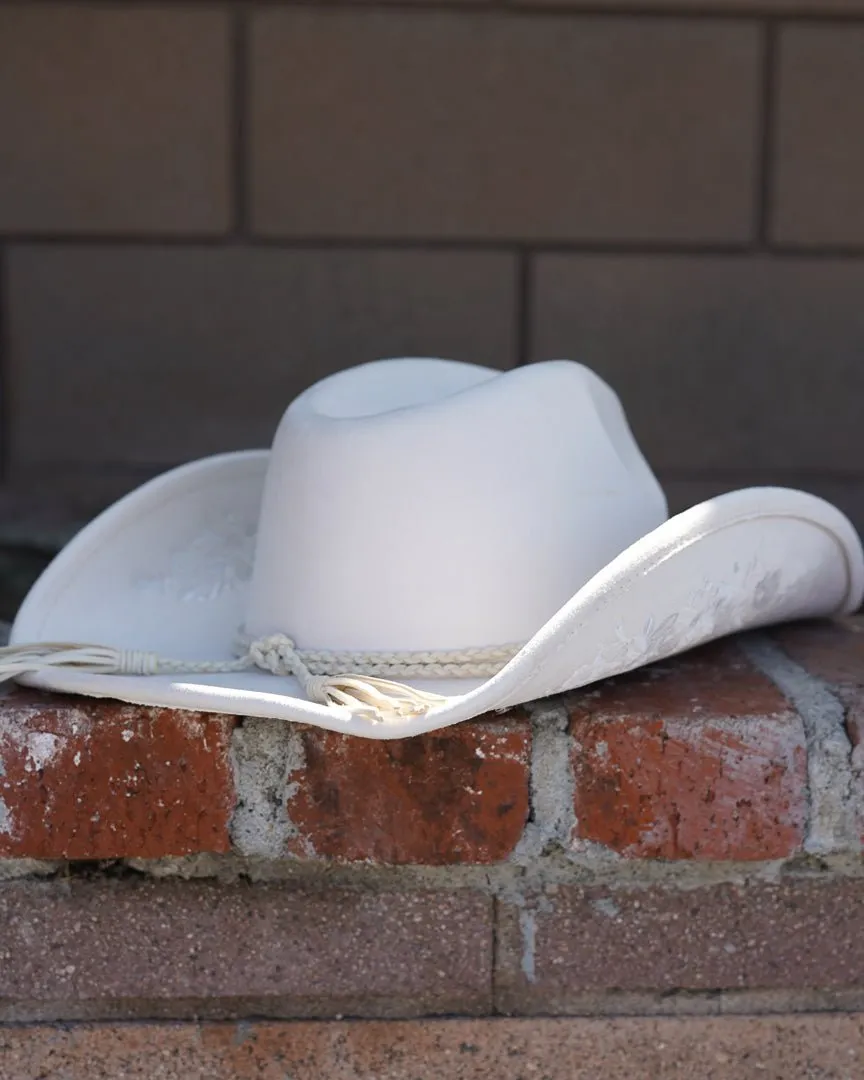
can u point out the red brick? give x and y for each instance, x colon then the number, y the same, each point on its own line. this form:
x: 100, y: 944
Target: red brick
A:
x: 700, y: 758
x: 572, y: 1048
x: 91, y: 779
x: 137, y: 948
x: 459, y: 795
x: 583, y: 943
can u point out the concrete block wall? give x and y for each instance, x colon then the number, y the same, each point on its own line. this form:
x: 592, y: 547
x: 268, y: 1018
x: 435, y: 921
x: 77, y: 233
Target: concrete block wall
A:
x: 205, y: 206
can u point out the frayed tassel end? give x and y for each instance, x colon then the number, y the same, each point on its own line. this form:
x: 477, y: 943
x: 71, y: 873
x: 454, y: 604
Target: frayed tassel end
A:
x: 18, y: 660
x: 373, y: 699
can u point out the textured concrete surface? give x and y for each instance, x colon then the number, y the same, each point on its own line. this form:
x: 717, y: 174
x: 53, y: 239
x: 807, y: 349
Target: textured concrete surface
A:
x: 300, y: 953
x: 776, y: 1048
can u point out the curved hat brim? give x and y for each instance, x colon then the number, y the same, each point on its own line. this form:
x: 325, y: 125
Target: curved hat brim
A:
x: 167, y: 569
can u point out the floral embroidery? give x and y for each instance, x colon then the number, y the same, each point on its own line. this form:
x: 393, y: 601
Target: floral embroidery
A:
x: 712, y: 610
x: 209, y: 564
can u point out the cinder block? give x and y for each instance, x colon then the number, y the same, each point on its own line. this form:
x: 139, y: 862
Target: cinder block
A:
x: 488, y: 126
x: 726, y: 363
x: 818, y: 196
x: 114, y: 119
x: 171, y: 353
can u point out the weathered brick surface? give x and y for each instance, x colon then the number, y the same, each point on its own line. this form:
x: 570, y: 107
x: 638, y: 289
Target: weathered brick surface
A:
x: 88, y: 779
x: 431, y: 124
x: 701, y: 758
x: 239, y: 950
x: 833, y: 651
x: 746, y: 1048
x: 247, y: 324
x: 455, y: 796
x: 578, y: 942
x: 114, y: 118
x: 819, y: 160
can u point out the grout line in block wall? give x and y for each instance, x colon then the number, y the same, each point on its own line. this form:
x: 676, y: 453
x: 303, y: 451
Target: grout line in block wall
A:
x: 238, y: 105
x: 463, y: 246
x: 495, y: 957
x: 799, y: 11
x: 524, y: 307
x: 5, y: 361
x: 533, y: 245
x: 766, y: 136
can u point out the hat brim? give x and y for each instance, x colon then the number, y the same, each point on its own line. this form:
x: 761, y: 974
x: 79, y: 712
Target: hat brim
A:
x: 167, y: 569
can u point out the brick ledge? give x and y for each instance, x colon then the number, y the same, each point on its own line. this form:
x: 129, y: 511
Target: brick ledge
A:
x: 748, y: 750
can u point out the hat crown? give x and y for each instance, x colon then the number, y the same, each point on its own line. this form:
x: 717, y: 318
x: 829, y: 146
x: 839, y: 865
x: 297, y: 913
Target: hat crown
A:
x: 426, y: 504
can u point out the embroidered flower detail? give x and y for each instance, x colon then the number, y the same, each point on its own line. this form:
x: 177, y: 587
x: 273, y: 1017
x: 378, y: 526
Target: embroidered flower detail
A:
x: 211, y: 563
x: 715, y: 608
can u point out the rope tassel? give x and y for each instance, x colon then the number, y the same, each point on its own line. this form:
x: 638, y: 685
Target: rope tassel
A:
x: 367, y: 696
x: 100, y: 659
x: 371, y: 698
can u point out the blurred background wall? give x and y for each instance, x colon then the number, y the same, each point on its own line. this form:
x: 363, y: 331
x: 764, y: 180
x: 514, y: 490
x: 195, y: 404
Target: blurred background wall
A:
x: 206, y: 206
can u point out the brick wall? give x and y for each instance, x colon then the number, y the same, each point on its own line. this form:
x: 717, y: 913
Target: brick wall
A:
x: 655, y: 878
x: 204, y: 206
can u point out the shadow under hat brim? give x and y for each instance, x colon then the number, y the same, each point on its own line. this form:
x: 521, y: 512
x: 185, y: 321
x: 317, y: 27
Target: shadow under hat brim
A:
x: 167, y: 569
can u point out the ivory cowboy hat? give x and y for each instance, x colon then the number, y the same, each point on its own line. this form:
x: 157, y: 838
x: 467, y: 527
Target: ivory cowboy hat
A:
x: 426, y: 541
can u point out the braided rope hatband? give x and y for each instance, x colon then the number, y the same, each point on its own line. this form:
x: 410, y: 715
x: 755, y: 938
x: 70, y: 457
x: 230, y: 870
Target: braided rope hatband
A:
x: 355, y: 681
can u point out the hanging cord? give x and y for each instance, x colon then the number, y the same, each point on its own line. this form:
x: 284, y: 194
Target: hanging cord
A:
x: 356, y: 681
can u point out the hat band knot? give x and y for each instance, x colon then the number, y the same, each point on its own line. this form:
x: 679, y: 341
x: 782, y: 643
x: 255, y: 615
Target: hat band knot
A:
x: 354, y: 680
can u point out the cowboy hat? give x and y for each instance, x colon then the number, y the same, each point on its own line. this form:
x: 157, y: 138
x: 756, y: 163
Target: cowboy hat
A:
x: 426, y: 541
